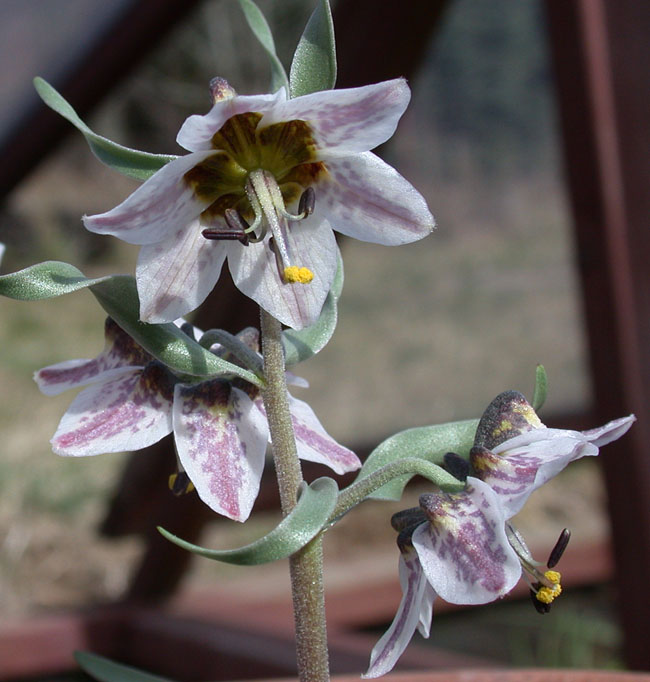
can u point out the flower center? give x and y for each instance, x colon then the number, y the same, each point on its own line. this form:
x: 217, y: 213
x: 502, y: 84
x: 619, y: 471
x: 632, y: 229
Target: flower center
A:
x: 254, y: 174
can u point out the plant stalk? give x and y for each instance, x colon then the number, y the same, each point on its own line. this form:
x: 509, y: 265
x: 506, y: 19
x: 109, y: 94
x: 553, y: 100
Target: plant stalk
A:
x: 306, y: 566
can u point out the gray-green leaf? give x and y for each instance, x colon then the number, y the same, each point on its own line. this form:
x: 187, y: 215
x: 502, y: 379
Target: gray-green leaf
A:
x: 105, y: 670
x: 430, y: 443
x: 304, y: 344
x: 131, y: 162
x: 314, y: 63
x: 314, y: 508
x: 118, y: 296
x: 260, y: 28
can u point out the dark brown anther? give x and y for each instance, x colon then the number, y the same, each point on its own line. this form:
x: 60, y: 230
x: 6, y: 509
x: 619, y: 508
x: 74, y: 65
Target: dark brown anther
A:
x: 558, y: 550
x: 307, y: 202
x: 237, y: 228
x: 540, y: 606
x: 456, y: 466
x: 181, y: 484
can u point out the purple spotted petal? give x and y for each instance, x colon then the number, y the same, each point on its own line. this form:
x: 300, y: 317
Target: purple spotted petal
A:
x: 365, y: 198
x: 347, y: 121
x: 221, y: 440
x: 254, y: 269
x: 197, y: 131
x: 315, y: 444
x: 161, y: 205
x: 121, y: 353
x: 464, y: 551
x: 417, y: 598
x: 128, y: 412
x: 175, y: 275
x: 520, y: 465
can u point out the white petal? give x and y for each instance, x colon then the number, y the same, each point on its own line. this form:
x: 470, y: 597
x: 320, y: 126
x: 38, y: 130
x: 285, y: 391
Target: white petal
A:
x: 128, y: 412
x: 365, y: 198
x: 347, y: 121
x: 162, y: 204
x: 609, y: 432
x: 121, y: 353
x: 174, y: 276
x: 464, y: 551
x: 315, y: 444
x: 197, y: 131
x: 390, y: 647
x: 254, y: 269
x: 221, y: 440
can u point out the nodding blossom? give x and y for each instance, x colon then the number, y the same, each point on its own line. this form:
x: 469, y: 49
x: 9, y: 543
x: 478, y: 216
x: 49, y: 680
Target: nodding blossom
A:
x: 461, y: 546
x: 219, y: 425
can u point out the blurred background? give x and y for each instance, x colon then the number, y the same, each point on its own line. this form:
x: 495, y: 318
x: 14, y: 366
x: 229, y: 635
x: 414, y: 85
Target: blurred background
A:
x: 428, y: 333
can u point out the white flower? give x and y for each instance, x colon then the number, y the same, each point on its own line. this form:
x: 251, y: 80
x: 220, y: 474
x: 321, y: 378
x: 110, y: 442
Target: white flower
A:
x: 220, y: 427
x: 294, y: 169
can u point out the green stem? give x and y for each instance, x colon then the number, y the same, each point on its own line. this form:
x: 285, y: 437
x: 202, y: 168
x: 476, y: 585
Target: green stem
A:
x: 306, y: 566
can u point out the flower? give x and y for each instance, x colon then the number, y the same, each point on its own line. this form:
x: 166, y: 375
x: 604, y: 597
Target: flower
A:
x: 461, y: 546
x: 252, y: 158
x: 220, y: 428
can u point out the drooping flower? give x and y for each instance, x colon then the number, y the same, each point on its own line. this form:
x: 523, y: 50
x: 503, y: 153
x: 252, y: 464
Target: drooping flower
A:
x: 266, y: 180
x: 220, y: 428
x: 461, y: 546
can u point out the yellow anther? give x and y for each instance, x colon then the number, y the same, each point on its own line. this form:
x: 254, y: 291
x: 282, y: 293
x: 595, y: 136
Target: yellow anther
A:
x: 294, y: 274
x: 553, y: 577
x: 547, y: 594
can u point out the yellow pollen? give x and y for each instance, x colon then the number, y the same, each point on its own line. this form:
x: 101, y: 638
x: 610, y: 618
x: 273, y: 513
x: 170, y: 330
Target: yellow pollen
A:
x: 553, y: 576
x: 547, y: 594
x: 294, y: 274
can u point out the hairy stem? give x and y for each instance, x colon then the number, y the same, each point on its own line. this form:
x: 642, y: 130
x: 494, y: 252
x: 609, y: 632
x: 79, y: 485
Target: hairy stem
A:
x: 306, y: 566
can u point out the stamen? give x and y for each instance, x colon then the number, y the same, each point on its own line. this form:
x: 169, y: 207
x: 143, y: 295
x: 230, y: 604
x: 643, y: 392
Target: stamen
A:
x: 540, y: 606
x: 237, y: 225
x: 558, y: 550
x: 456, y: 466
x: 266, y: 200
x: 307, y: 202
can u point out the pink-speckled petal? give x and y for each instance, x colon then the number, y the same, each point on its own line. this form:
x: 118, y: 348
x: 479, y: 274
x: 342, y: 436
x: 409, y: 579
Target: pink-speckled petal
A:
x: 174, y: 276
x: 197, y: 131
x: 365, y: 198
x: 127, y: 412
x: 464, y: 551
x: 311, y: 244
x: 347, y: 121
x: 315, y: 444
x: 221, y: 441
x: 165, y: 202
x: 121, y: 353
x: 417, y: 596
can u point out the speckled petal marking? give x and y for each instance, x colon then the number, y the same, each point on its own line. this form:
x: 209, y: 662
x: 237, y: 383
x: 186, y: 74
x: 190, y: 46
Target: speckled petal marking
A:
x: 221, y: 440
x: 463, y: 549
x: 128, y: 412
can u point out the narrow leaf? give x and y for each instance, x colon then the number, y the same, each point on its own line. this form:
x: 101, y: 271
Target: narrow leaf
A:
x: 260, y: 28
x: 118, y: 296
x: 131, y: 162
x: 105, y: 670
x: 314, y: 508
x: 304, y: 344
x: 314, y: 63
x: 541, y: 387
x: 430, y: 443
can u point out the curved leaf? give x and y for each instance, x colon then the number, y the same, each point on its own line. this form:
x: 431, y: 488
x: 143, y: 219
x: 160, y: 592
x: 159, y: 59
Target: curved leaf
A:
x: 314, y: 508
x: 131, y: 162
x: 118, y: 296
x: 304, y: 344
x: 314, y: 63
x: 105, y: 670
x: 260, y: 28
x: 430, y: 443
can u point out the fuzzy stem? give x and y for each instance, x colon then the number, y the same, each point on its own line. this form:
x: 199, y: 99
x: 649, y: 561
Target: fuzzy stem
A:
x: 306, y: 566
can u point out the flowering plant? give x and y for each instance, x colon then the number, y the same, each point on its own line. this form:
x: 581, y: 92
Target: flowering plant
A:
x: 266, y: 180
